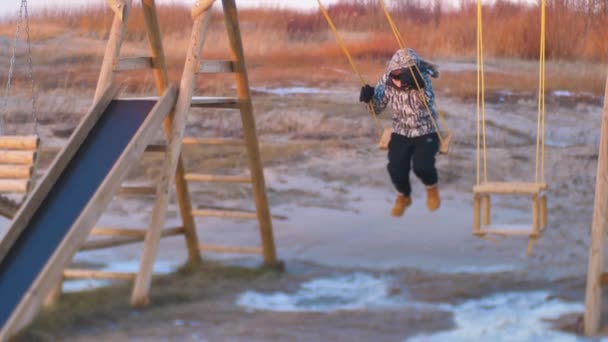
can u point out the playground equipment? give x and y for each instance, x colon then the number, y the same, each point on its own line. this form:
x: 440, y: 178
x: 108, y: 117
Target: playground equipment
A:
x: 55, y: 220
x: 484, y: 188
x: 385, y: 135
x: 18, y: 153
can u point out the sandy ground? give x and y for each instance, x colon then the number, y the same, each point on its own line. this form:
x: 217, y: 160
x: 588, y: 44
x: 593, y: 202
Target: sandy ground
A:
x: 422, y: 277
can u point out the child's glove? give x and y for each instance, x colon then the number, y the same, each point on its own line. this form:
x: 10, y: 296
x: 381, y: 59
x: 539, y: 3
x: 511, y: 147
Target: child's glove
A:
x: 367, y: 93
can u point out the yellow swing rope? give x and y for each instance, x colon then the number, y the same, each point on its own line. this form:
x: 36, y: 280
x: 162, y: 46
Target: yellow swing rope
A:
x: 539, y: 172
x: 350, y: 60
x: 402, y: 45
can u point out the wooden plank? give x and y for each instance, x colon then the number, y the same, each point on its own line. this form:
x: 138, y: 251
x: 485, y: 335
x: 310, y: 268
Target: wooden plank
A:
x: 20, y: 142
x: 117, y: 240
x: 56, y: 168
x: 249, y: 129
x: 217, y: 67
x: 112, y: 52
x: 52, y: 271
x: 200, y: 7
x: 16, y: 171
x: 508, y: 232
x: 137, y: 190
x: 134, y: 63
x: 76, y: 273
x: 131, y: 232
x: 225, y: 213
x: 19, y: 186
x: 231, y: 249
x: 171, y: 166
x: 17, y: 157
x: 162, y: 80
x: 213, y: 141
x: 509, y: 188
x: 196, y: 177
x: 593, y: 296
x: 214, y: 102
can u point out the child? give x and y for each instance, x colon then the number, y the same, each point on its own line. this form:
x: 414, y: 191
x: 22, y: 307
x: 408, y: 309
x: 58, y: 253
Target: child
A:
x: 414, y: 140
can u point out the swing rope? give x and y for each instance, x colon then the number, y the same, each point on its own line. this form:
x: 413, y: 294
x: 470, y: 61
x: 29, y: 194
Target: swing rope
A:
x: 23, y: 14
x: 482, y: 160
x: 402, y: 45
x: 350, y: 60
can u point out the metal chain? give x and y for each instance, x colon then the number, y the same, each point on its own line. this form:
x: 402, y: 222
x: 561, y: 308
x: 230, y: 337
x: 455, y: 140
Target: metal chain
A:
x: 30, y: 68
x: 22, y: 9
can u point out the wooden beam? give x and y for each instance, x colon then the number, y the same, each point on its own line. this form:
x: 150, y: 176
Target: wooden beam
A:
x: 593, y: 296
x: 249, y: 128
x: 20, y: 142
x: 509, y: 188
x: 214, y: 102
x: 20, y: 186
x: 507, y: 232
x: 52, y: 272
x: 119, y: 7
x: 171, y: 165
x: 137, y: 190
x: 197, y: 177
x: 17, y: 157
x: 231, y: 249
x: 225, y: 213
x: 75, y: 273
x: 16, y: 171
x: 134, y: 63
x: 118, y: 240
x: 201, y: 7
x: 213, y: 141
x: 217, y: 67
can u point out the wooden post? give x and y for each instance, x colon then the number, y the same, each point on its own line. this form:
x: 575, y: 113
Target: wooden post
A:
x: 162, y: 81
x: 139, y: 296
x: 476, y: 214
x: 593, y: 294
x: 251, y: 140
x: 112, y: 53
x: 486, y: 203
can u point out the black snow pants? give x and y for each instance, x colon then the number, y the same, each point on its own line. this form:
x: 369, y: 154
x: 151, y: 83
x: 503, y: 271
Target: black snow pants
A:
x: 417, y: 153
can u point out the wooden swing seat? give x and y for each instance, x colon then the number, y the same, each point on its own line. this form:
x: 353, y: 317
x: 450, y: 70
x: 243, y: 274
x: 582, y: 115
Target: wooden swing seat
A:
x: 481, y: 202
x: 18, y: 156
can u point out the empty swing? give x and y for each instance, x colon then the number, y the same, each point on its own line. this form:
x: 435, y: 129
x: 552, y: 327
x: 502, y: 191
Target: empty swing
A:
x: 18, y: 153
x: 385, y: 134
x: 484, y: 188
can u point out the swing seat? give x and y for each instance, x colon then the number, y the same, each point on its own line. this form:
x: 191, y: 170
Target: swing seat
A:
x: 481, y: 201
x: 18, y: 155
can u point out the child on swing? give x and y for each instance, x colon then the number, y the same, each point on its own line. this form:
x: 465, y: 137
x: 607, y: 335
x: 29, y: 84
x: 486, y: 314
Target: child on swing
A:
x: 414, y: 141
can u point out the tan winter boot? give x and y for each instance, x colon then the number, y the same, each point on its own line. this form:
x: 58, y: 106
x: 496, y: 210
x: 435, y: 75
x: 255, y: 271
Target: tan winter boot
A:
x: 433, y: 201
x: 401, y: 203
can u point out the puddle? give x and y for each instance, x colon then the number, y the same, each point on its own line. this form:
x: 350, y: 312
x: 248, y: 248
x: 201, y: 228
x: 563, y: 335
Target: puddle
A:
x: 506, y: 317
x: 347, y: 292
x: 76, y: 285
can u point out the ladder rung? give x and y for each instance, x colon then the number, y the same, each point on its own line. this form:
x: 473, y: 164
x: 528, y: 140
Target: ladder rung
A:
x: 213, y: 141
x: 137, y: 190
x: 509, y: 188
x: 120, y: 237
x: 194, y: 177
x: 225, y: 213
x: 507, y: 232
x: 214, y: 102
x: 217, y: 66
x: 94, y: 274
x: 134, y: 63
x: 230, y: 249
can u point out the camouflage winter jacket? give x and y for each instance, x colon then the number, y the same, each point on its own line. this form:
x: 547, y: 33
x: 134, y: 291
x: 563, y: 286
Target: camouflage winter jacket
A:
x: 410, y: 115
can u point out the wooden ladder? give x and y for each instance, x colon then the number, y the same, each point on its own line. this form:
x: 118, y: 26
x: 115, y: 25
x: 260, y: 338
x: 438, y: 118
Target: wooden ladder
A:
x: 172, y: 168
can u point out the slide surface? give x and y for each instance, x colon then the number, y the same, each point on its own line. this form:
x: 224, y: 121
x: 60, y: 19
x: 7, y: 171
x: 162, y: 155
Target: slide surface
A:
x: 75, y: 187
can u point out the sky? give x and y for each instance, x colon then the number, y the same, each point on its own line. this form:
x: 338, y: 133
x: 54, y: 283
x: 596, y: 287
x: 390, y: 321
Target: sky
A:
x: 9, y: 7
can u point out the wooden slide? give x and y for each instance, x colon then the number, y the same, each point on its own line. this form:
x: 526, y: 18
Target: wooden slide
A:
x: 56, y: 218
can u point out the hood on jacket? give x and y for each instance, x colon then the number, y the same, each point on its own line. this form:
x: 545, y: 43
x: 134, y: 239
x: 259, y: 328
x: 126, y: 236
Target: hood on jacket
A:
x: 405, y: 58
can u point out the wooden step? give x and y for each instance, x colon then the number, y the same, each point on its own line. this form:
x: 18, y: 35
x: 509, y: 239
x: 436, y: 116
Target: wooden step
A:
x: 195, y: 177
x: 137, y: 190
x: 134, y: 63
x: 214, y: 102
x: 217, y: 67
x: 213, y: 141
x: 120, y: 237
x: 19, y: 142
x: 17, y: 157
x: 76, y: 273
x: 225, y: 213
x: 16, y: 171
x: 507, y: 232
x: 230, y: 249
x: 509, y: 188
x: 19, y: 186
